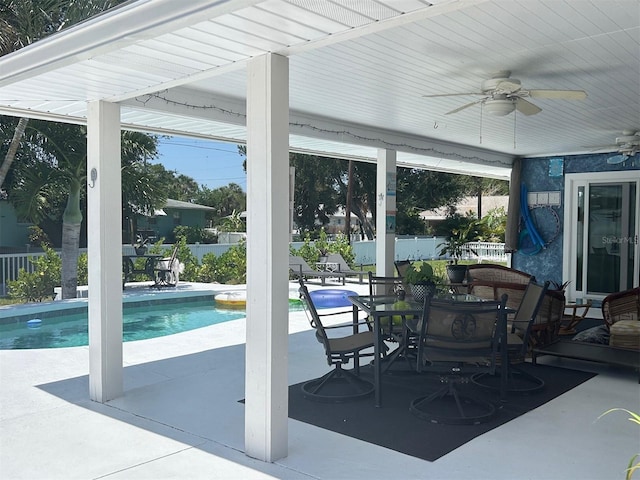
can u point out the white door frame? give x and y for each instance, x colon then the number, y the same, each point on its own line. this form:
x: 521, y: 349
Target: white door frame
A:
x: 572, y: 183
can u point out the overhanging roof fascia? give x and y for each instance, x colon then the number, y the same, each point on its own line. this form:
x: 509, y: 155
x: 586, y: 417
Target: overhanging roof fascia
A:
x: 130, y: 23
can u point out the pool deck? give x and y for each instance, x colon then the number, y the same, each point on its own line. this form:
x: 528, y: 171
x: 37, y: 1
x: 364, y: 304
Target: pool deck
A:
x: 180, y: 418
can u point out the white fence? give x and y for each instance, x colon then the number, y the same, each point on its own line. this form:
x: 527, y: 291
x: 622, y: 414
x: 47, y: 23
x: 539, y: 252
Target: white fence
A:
x: 416, y: 248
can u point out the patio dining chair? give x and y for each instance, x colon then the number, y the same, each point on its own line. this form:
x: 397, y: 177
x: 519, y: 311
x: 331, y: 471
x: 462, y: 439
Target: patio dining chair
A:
x: 167, y: 270
x: 518, y: 345
x: 393, y: 330
x: 339, y: 384
x: 458, y: 339
x: 402, y: 266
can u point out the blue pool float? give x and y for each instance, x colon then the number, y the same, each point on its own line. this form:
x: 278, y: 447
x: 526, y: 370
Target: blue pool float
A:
x: 34, y: 323
x: 330, y: 298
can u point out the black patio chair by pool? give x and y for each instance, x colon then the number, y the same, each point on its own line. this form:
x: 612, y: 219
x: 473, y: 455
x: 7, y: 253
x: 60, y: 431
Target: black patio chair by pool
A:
x: 518, y: 345
x: 167, y: 270
x: 340, y: 384
x: 457, y: 340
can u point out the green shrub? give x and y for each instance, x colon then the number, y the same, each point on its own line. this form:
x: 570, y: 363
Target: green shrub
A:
x: 311, y: 251
x: 230, y: 267
x: 38, y: 285
x: 83, y: 269
x: 192, y: 234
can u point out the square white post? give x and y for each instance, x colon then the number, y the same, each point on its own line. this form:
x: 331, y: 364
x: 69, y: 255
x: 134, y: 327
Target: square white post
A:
x: 266, y: 389
x: 385, y: 212
x: 104, y: 224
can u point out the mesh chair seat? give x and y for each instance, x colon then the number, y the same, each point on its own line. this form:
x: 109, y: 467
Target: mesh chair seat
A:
x: 338, y: 385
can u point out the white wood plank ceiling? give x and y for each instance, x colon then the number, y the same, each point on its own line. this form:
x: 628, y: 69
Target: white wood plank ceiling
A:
x: 359, y: 70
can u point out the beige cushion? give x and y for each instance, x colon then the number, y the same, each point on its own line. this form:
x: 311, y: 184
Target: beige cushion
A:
x: 626, y: 334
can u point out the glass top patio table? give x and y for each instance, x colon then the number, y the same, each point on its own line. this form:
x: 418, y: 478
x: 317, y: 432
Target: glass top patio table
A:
x: 381, y: 306
x: 387, y: 303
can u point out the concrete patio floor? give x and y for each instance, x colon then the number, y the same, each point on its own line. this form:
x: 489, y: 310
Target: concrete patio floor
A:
x: 180, y: 418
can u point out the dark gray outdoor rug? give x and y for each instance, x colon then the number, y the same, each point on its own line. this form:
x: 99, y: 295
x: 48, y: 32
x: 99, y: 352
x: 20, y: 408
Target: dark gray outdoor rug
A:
x: 394, y: 427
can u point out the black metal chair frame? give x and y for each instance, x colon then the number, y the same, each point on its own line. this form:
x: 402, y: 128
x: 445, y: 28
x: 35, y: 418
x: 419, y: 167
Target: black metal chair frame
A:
x: 164, y: 275
x: 518, y: 344
x: 457, y: 340
x: 402, y: 266
x: 338, y: 385
x: 399, y: 334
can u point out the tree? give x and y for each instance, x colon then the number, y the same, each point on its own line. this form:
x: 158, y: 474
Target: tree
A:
x: 143, y: 189
x: 22, y: 22
x: 419, y: 190
x: 322, y: 186
x: 316, y: 190
x: 226, y: 200
x: 50, y: 171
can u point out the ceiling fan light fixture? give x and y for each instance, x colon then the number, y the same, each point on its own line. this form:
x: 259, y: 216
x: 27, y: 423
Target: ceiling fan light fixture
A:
x: 500, y: 107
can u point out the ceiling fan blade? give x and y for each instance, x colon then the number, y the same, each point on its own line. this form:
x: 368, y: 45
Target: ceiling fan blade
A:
x: 465, y: 106
x: 615, y: 159
x: 527, y: 108
x: 452, y: 94
x: 559, y: 94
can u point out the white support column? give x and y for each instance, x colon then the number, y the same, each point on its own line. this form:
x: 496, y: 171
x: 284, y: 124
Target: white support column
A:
x: 266, y: 389
x: 104, y: 224
x: 385, y: 212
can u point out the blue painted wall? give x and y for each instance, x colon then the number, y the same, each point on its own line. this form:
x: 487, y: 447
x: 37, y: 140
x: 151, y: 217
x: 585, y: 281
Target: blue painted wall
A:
x: 547, y: 265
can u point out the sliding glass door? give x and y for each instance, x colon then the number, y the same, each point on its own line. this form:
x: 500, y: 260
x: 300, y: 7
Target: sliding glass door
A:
x: 601, y: 234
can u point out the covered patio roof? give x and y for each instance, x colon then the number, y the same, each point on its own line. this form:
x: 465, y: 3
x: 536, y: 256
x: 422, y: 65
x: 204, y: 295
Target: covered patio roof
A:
x: 341, y: 78
x: 358, y: 74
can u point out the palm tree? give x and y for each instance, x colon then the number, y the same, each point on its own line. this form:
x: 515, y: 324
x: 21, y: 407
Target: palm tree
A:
x: 22, y: 22
x: 51, y: 170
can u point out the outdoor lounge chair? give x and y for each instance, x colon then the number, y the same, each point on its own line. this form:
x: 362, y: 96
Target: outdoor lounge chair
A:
x: 301, y: 270
x: 167, y: 270
x: 343, y: 266
x: 339, y: 385
x: 458, y: 340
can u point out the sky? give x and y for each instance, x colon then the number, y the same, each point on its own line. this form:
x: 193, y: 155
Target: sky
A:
x: 212, y: 164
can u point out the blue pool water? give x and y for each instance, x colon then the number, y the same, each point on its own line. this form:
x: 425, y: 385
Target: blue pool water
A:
x: 139, y: 323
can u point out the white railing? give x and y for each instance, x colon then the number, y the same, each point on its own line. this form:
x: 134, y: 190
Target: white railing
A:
x: 11, y: 264
x: 488, y: 251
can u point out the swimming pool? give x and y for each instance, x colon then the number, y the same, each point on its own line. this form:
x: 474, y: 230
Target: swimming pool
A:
x: 139, y: 322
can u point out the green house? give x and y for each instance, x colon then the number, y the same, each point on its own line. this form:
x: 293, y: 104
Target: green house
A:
x: 175, y: 212
x: 14, y: 233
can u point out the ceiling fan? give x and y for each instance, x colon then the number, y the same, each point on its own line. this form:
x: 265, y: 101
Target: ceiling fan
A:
x: 502, y: 95
x: 625, y: 147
